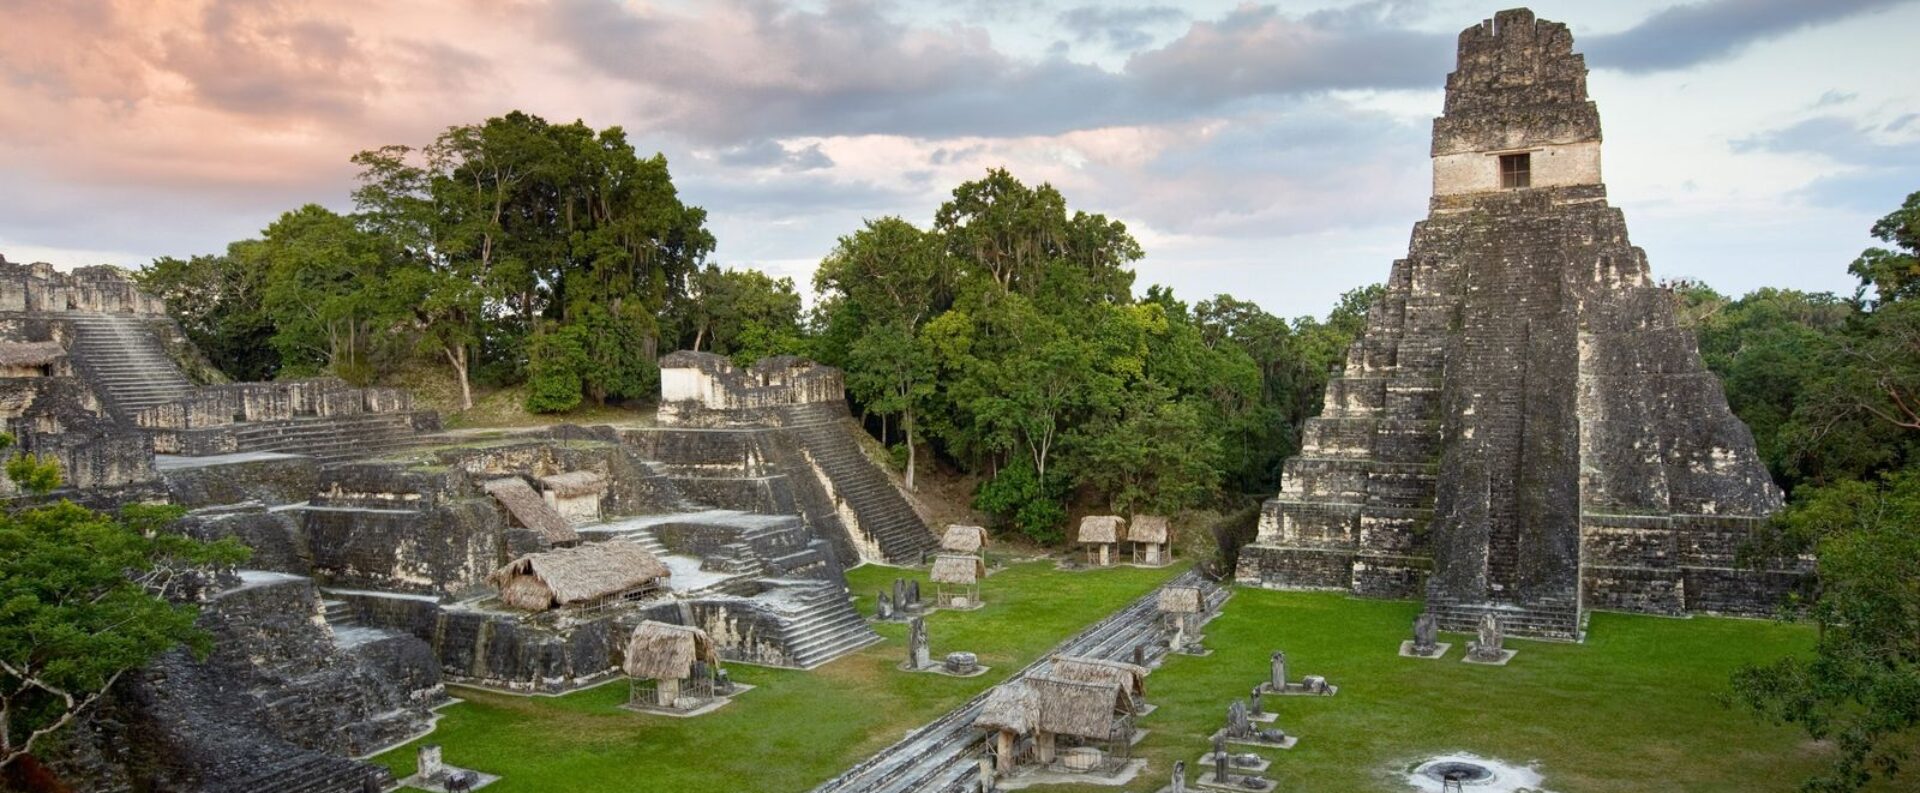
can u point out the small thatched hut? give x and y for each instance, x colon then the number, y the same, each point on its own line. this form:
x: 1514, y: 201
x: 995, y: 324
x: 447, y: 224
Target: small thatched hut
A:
x: 1152, y: 539
x: 1099, y: 533
x: 963, y: 539
x: 586, y: 576
x: 31, y: 358
x: 574, y: 494
x: 1011, y: 711
x: 1179, y: 603
x: 958, y: 579
x: 1098, y: 715
x: 528, y: 510
x: 670, y: 665
x: 1088, y: 706
x: 1132, y: 678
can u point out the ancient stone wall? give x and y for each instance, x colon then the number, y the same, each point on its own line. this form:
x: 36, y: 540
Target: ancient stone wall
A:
x: 104, y: 289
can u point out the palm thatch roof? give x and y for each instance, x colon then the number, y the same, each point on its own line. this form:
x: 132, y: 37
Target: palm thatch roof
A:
x: 1101, y: 528
x: 530, y: 510
x: 31, y: 353
x: 1086, y: 710
x: 659, y: 651
x: 957, y: 569
x: 1013, y: 707
x: 1179, y: 600
x: 1077, y: 669
x: 1147, y: 528
x: 539, y: 581
x: 963, y: 539
x: 574, y: 483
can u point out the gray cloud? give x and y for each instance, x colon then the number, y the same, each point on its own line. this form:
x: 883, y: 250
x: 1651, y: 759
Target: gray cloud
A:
x: 741, y: 70
x: 1121, y: 29
x: 1685, y: 35
x: 1878, y: 173
x: 766, y: 153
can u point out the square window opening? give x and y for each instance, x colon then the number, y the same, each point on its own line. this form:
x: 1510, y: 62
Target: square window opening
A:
x: 1516, y: 170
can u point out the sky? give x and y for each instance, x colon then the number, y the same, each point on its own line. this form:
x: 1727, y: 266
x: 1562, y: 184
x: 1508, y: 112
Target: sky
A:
x: 1277, y: 152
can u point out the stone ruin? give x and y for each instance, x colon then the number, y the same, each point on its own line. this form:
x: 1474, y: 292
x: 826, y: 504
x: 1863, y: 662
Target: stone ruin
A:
x: 375, y: 537
x: 1524, y: 428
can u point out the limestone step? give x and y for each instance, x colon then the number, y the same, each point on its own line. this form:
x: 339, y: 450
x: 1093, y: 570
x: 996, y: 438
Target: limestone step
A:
x: 317, y: 773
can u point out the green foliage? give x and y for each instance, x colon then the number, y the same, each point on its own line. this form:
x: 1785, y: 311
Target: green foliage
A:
x: 554, y: 382
x: 1893, y: 274
x: 743, y: 314
x: 33, y: 473
x: 1022, y: 500
x: 462, y: 250
x: 1861, y: 687
x: 326, y: 292
x: 218, y: 301
x: 83, y: 600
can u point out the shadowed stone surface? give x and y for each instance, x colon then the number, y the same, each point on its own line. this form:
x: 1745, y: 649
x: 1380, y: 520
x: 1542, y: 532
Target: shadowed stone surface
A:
x: 1523, y: 429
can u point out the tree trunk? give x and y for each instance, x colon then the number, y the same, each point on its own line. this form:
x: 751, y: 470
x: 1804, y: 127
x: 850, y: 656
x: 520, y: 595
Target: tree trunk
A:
x: 458, y: 357
x: 910, y: 453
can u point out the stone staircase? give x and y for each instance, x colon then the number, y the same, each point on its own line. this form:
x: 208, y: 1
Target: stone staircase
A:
x: 1550, y: 620
x: 126, y: 363
x: 827, y: 628
x: 883, y: 513
x: 330, y: 438
x: 318, y: 773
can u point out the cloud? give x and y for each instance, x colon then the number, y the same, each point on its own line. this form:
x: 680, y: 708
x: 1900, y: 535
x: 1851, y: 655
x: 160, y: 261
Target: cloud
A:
x: 767, y: 153
x: 1122, y: 29
x: 1686, y: 35
x: 1877, y: 166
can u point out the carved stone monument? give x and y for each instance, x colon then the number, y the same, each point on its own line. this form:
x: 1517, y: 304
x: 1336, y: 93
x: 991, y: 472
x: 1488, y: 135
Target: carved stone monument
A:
x: 428, y: 764
x: 1488, y: 644
x: 883, y: 607
x: 1277, y: 671
x: 918, y: 654
x: 1179, y: 784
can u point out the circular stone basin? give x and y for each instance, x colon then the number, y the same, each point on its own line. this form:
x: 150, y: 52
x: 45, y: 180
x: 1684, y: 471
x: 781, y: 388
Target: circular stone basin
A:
x: 1456, y: 771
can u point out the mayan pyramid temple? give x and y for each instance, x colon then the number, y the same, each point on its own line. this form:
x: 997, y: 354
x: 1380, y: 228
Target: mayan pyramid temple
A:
x: 1523, y: 429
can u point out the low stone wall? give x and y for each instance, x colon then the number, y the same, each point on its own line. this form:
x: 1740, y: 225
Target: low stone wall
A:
x: 235, y: 403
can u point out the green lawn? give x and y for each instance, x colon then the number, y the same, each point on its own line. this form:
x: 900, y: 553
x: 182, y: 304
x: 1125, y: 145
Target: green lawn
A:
x: 795, y: 729
x: 1632, y: 709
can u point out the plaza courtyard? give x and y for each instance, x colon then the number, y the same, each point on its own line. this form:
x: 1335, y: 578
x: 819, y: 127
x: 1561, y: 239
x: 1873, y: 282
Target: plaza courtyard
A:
x: 1635, y: 707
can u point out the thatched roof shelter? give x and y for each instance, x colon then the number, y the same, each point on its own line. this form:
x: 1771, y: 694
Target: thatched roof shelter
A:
x: 574, y: 483
x: 1179, y: 600
x: 1085, y: 710
x: 1078, y: 669
x: 956, y: 569
x: 1013, y: 707
x: 659, y: 651
x: 1101, y: 528
x: 540, y: 581
x: 30, y: 353
x: 1147, y: 528
x: 963, y: 539
x: 530, y: 510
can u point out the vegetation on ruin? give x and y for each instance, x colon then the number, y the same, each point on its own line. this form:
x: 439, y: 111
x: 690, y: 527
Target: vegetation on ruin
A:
x: 794, y: 729
x: 86, y: 597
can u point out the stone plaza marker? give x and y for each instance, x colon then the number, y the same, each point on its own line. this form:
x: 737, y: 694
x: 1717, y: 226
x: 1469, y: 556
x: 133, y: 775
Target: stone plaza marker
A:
x: 1524, y: 429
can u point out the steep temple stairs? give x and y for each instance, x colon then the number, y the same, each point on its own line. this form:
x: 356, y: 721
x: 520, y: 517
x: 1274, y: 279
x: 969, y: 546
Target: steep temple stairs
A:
x: 883, y: 513
x: 126, y: 362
